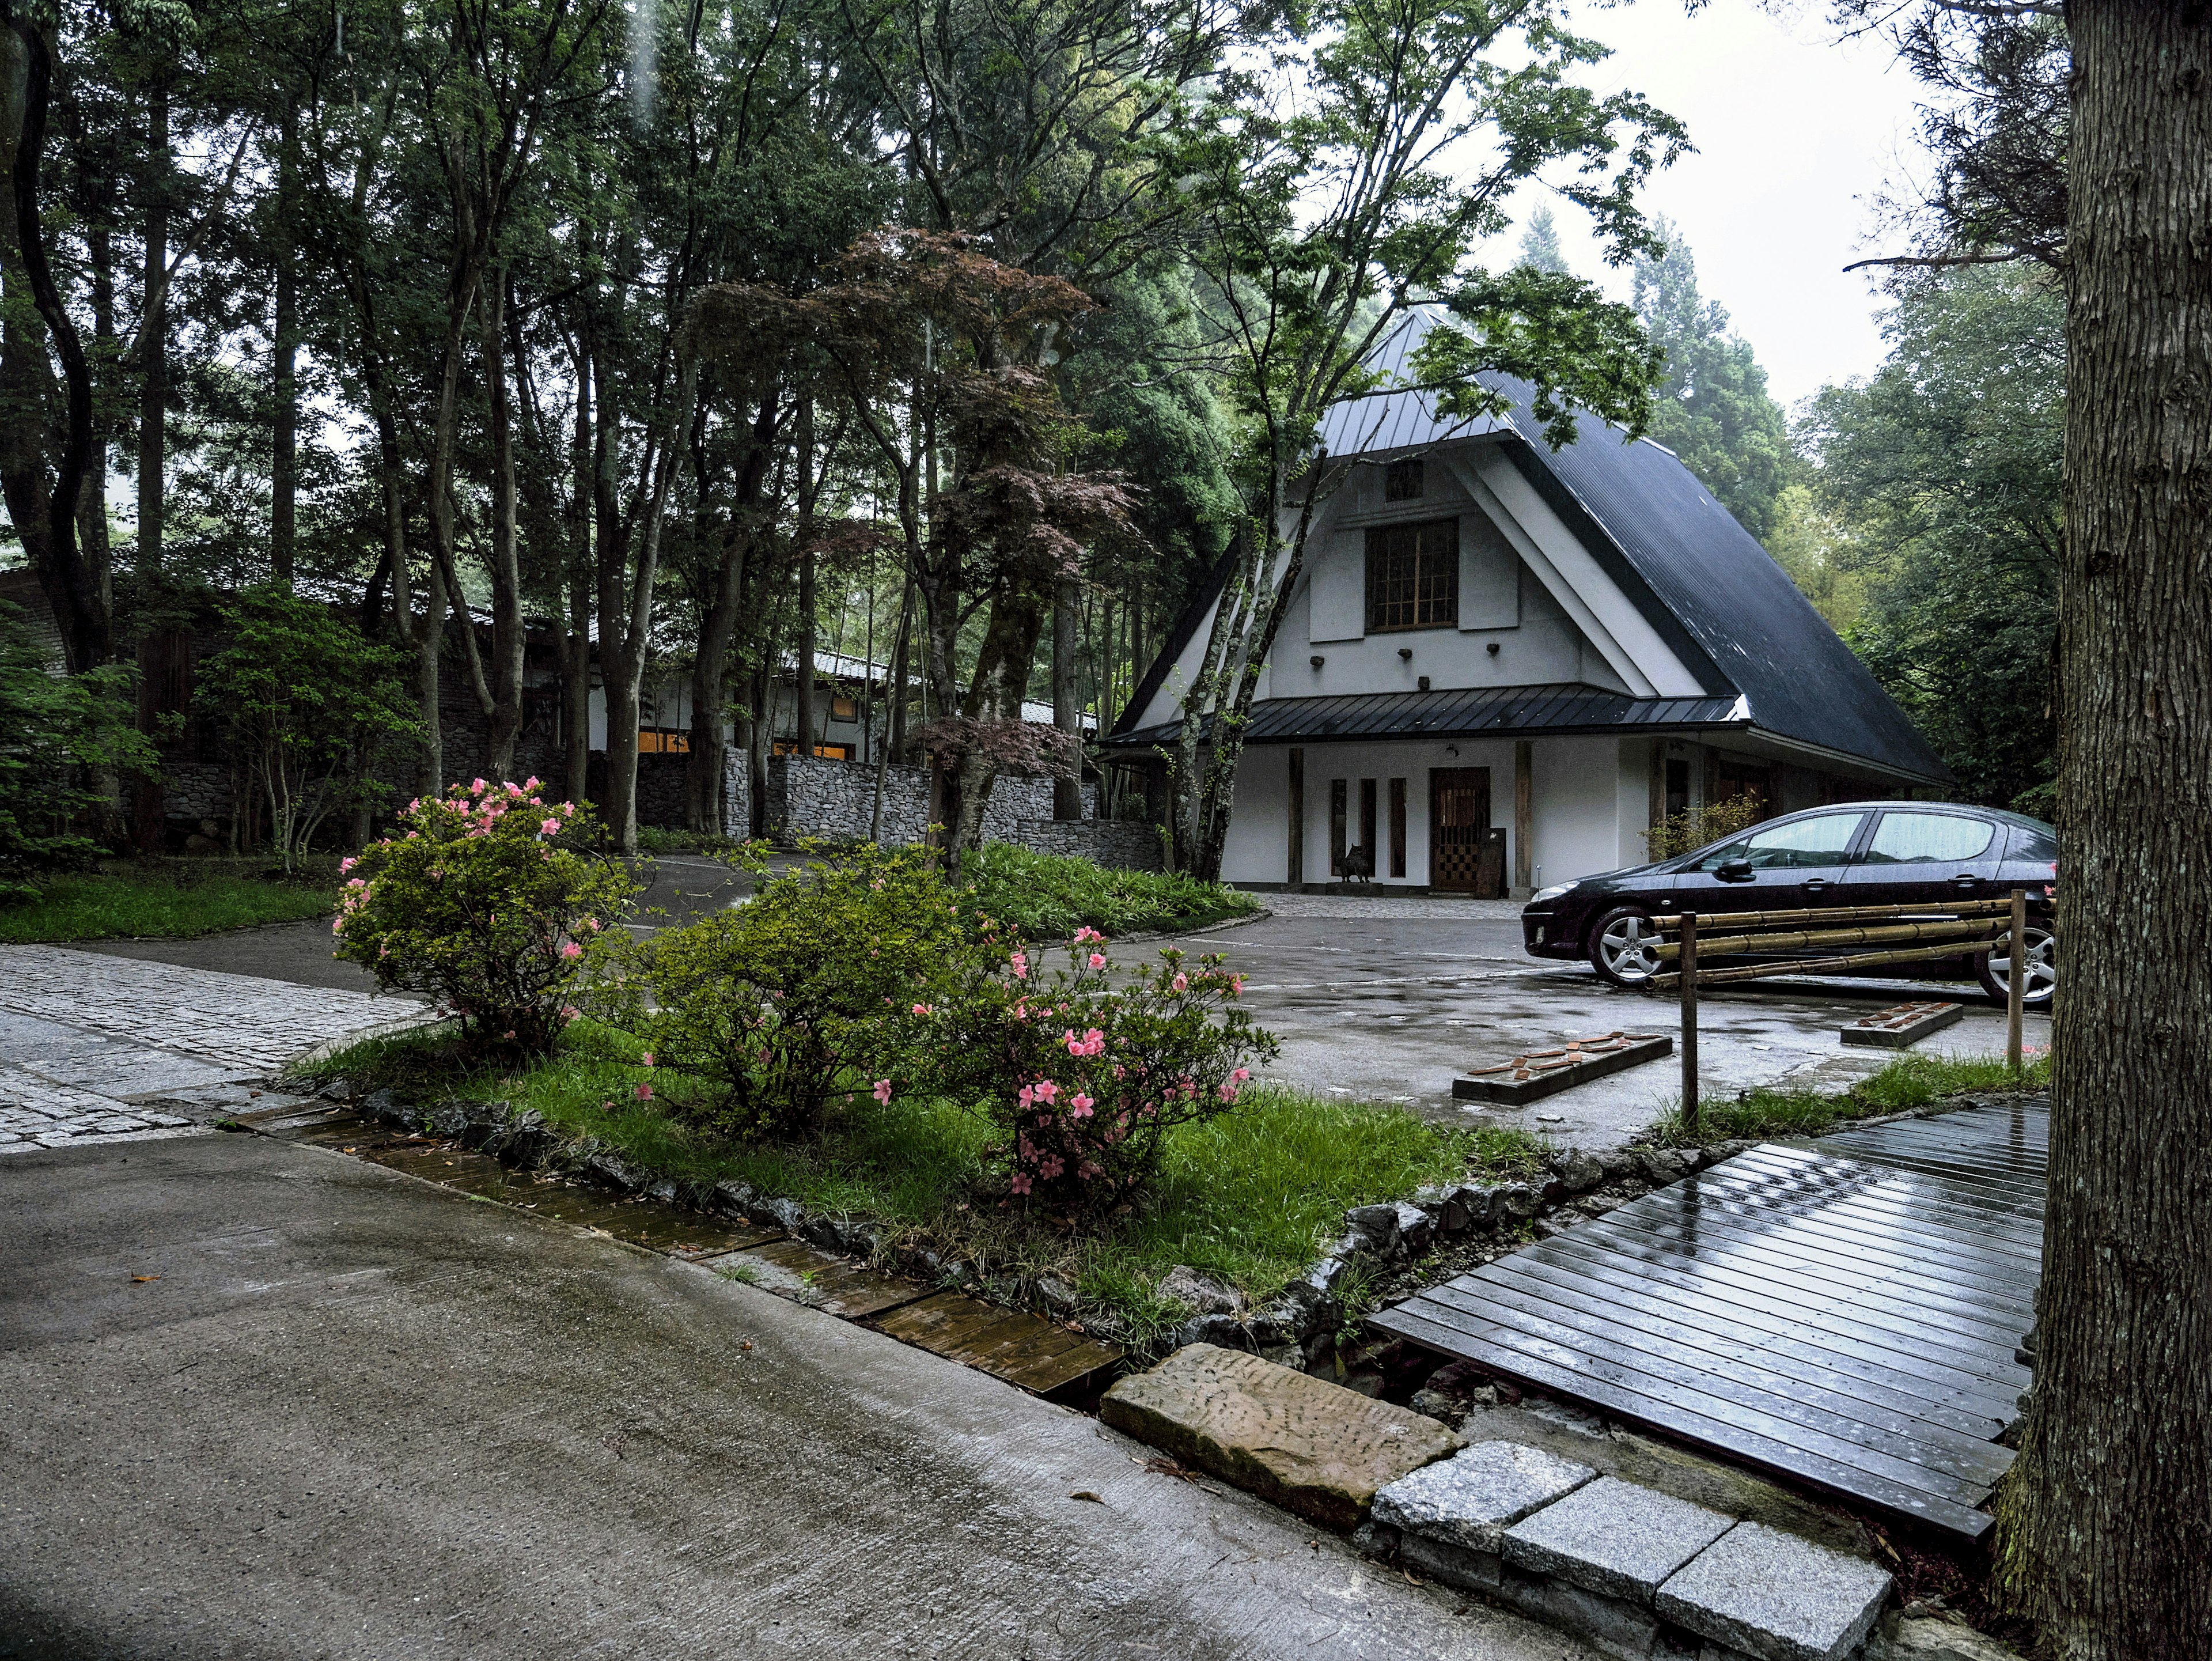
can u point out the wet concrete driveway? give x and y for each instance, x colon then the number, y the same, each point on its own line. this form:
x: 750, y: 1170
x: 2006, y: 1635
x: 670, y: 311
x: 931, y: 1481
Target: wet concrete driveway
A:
x: 1386, y: 1000
x: 262, y: 1400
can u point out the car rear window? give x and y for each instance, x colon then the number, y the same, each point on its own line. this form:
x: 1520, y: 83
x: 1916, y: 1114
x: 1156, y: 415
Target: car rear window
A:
x: 2032, y: 843
x: 1925, y: 838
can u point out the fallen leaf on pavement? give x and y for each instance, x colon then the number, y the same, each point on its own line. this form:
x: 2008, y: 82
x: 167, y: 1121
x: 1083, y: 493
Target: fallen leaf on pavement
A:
x: 145, y: 1277
x: 1085, y: 1493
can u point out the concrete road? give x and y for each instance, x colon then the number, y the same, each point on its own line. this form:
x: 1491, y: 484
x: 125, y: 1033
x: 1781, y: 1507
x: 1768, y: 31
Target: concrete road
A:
x: 1387, y: 1000
x: 349, y: 1415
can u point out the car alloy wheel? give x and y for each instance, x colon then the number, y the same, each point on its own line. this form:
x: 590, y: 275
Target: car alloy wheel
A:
x: 1624, y: 948
x: 2041, y: 956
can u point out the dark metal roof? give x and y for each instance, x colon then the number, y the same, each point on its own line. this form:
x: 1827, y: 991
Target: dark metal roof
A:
x: 1492, y: 712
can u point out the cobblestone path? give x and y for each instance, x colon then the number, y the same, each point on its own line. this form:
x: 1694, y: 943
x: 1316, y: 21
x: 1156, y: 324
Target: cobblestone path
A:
x: 94, y: 1046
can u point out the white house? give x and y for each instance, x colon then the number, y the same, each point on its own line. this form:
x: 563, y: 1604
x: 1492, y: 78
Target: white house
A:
x: 1502, y: 665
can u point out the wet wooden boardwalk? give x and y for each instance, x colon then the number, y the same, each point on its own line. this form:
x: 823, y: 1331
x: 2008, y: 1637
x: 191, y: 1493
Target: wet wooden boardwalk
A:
x: 1844, y: 1313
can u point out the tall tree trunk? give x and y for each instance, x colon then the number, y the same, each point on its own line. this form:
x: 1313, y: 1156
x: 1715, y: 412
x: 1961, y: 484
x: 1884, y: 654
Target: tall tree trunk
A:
x: 92, y: 496
x: 1066, y: 692
x: 507, y: 625
x: 154, y: 334
x: 42, y: 504
x: 284, y: 447
x: 576, y: 643
x: 2108, y: 1514
x: 803, y: 643
x: 710, y: 665
x: 1002, y: 676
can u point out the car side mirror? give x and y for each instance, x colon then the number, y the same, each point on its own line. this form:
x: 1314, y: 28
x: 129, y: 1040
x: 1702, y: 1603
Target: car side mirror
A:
x: 1734, y: 871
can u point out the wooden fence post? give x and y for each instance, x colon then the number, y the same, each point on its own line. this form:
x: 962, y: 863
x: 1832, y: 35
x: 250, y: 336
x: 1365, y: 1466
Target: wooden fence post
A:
x: 1688, y: 966
x: 2016, y: 981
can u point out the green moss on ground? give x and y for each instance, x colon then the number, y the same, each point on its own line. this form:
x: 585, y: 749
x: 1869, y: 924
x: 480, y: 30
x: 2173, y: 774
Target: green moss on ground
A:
x: 1909, y: 1081
x: 164, y: 900
x: 1250, y: 1197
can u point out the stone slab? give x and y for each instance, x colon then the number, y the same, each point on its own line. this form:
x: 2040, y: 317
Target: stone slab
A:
x: 1776, y: 1597
x: 1903, y: 1024
x: 1614, y: 1537
x: 1455, y: 1566
x: 1471, y: 1498
x: 1309, y: 1445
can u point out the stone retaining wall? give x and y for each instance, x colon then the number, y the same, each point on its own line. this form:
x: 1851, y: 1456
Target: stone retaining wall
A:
x: 820, y: 796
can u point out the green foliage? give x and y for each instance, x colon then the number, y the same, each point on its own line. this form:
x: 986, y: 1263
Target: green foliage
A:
x: 773, y: 1007
x: 1694, y: 827
x: 1713, y: 410
x: 1539, y: 243
x: 160, y: 902
x: 1084, y: 1075
x: 1048, y: 896
x: 487, y: 899
x: 1943, y: 473
x: 1912, y: 1080
x: 57, y: 732
x: 310, y: 704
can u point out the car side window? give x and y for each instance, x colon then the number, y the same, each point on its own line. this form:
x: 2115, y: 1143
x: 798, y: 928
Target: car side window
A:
x: 1819, y: 841
x: 1928, y: 839
x: 2032, y: 843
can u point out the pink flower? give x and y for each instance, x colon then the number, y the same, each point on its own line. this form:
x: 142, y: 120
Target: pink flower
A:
x: 571, y: 951
x: 479, y: 786
x: 569, y: 1013
x: 531, y: 784
x: 1097, y: 959
x: 508, y: 1033
x: 1241, y: 1074
x: 648, y: 1058
x: 550, y: 828
x: 883, y: 1092
x: 1083, y: 936
x: 1019, y: 1182
x: 1021, y: 964
x: 643, y: 1093
x: 1228, y: 1092
x: 1080, y: 1106
x: 1046, y: 1090
x: 1182, y: 982
x: 345, y: 866
x: 922, y: 1009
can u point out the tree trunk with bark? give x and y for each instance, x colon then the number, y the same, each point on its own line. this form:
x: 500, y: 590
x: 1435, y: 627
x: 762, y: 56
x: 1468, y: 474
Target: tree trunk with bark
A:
x: 284, y: 438
x: 1067, y: 691
x: 703, y: 790
x: 802, y: 721
x: 2107, y: 1516
x: 153, y: 346
x: 508, y: 634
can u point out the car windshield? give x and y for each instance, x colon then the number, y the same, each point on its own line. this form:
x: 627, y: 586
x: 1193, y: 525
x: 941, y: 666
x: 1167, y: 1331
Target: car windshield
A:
x: 1794, y: 844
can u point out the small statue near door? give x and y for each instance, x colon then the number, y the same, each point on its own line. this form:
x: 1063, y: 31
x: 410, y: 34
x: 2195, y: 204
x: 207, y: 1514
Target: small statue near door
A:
x: 1357, y: 864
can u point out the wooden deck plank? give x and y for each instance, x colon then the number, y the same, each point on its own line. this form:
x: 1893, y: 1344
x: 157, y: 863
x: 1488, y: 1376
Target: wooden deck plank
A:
x: 1024, y: 1350
x: 1844, y: 1313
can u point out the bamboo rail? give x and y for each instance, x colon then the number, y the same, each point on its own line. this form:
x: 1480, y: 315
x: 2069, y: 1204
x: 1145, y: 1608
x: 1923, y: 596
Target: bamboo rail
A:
x: 1822, y: 966
x: 1720, y: 945
x: 1668, y: 920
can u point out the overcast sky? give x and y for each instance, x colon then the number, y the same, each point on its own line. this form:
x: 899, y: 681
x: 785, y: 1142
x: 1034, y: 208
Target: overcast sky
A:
x: 1797, y: 134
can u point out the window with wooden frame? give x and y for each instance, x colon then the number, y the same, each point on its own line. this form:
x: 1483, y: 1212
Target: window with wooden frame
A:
x: 844, y: 707
x: 1412, y: 576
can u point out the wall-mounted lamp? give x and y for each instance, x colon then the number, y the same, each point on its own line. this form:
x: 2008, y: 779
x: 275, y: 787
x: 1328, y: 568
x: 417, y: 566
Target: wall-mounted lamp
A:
x: 1451, y: 749
x: 1423, y: 683
x: 1317, y: 659
x: 1405, y: 655
x: 1493, y: 648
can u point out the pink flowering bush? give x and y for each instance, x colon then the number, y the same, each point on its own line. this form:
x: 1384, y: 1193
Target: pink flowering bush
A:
x: 488, y: 898
x: 813, y: 991
x: 1086, y: 1077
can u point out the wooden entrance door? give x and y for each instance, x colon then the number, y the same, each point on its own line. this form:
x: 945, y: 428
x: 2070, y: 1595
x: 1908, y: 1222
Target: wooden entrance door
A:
x: 1459, y: 817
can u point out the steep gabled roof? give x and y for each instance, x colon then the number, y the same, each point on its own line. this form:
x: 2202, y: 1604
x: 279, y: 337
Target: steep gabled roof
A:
x: 1701, y: 580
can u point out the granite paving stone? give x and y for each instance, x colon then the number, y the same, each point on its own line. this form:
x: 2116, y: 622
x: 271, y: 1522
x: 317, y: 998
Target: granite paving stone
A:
x: 1776, y: 1596
x: 1471, y: 1498
x: 1614, y: 1537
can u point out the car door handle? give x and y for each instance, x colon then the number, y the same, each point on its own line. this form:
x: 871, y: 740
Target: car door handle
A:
x: 1816, y: 885
x: 1966, y: 883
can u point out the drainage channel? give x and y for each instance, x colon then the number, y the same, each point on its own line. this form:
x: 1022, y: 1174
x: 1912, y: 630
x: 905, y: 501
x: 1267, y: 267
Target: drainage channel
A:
x: 1025, y: 1350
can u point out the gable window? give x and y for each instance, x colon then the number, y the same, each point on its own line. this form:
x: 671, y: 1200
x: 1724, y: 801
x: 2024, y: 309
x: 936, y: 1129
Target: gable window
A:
x: 1412, y: 576
x: 1401, y: 480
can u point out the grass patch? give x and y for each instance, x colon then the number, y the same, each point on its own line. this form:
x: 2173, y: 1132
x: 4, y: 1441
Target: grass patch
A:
x: 1249, y: 1198
x: 1048, y: 896
x: 1909, y: 1081
x: 164, y: 901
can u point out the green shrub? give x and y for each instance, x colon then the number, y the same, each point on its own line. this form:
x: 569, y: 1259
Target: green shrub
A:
x: 813, y: 988
x: 1085, y: 1079
x: 57, y: 732
x: 486, y: 899
x: 1049, y: 897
